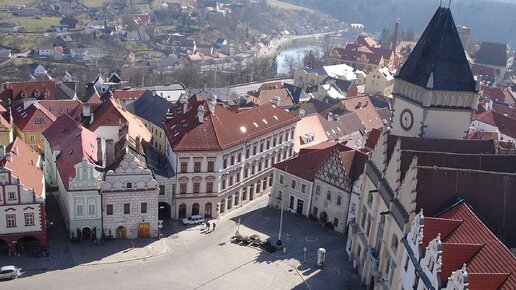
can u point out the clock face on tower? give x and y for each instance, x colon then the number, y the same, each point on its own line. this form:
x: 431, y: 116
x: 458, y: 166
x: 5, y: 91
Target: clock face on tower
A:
x: 406, y: 119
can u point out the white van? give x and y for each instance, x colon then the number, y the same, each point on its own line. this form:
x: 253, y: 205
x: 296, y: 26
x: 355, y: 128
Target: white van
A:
x: 193, y: 220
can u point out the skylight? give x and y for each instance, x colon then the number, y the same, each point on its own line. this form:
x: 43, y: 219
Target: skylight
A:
x: 275, y: 117
x: 265, y: 121
x: 243, y: 129
x: 256, y: 125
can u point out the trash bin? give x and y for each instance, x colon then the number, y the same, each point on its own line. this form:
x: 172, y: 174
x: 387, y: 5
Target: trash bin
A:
x: 321, y: 257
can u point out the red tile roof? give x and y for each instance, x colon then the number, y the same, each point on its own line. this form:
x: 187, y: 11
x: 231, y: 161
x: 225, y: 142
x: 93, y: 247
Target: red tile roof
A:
x: 354, y: 163
x: 271, y: 86
x: 492, y: 257
x: 454, y: 256
x: 33, y: 118
x: 23, y: 165
x: 223, y: 129
x: 506, y: 125
x: 127, y: 94
x: 317, y: 147
x: 483, y: 281
x: 59, y: 107
x: 268, y: 96
x: 509, y: 111
x: 31, y: 89
x: 495, y: 94
x: 74, y: 142
x: 110, y: 113
x: 363, y: 107
x: 434, y: 226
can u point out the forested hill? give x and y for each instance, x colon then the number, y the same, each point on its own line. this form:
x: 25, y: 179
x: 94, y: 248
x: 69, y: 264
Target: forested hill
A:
x: 490, y: 20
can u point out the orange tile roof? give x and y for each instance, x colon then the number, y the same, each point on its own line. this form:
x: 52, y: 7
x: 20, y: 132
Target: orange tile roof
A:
x: 363, y: 107
x: 506, y: 125
x: 434, y: 226
x: 484, y: 281
x: 305, y: 166
x: 13, y: 90
x: 493, y: 256
x: 223, y: 129
x: 110, y: 113
x: 454, y: 255
x: 23, y: 165
x: 267, y: 96
x: 127, y: 94
x: 59, y: 107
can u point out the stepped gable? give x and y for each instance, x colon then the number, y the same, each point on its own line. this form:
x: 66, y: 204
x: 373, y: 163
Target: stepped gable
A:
x: 438, y: 60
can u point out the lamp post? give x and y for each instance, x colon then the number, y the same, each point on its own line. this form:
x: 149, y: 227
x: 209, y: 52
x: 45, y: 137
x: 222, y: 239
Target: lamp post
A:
x: 279, y: 243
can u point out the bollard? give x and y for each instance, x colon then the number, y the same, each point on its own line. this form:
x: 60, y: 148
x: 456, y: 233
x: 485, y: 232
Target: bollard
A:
x: 284, y: 250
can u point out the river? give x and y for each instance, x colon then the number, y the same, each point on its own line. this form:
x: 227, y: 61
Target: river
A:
x: 295, y: 51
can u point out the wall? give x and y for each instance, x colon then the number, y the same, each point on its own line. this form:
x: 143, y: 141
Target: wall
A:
x: 332, y: 209
x: 447, y: 124
x: 287, y: 191
x: 108, y: 132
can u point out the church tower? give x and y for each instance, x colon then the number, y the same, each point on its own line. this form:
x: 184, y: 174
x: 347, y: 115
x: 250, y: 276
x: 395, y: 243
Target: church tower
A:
x: 434, y: 93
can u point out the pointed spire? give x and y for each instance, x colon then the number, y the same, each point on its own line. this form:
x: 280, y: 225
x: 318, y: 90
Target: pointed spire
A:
x: 439, y: 55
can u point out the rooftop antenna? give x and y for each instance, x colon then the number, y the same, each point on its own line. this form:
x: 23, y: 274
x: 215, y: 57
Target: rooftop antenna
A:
x: 440, y: 3
x: 449, y: 4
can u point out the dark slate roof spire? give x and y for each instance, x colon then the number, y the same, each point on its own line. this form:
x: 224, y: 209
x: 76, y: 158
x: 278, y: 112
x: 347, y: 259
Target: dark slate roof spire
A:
x: 438, y: 60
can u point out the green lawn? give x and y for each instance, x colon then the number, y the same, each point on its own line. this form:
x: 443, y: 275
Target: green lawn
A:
x: 92, y: 3
x: 285, y: 5
x: 32, y: 24
x: 4, y: 3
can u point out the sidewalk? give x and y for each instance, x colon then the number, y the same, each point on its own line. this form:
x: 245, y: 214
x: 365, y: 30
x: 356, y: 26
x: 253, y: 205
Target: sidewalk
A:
x: 117, y: 251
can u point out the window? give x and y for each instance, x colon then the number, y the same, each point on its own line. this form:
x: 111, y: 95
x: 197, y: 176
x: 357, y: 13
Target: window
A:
x: 231, y: 180
x: 238, y: 176
x: 129, y: 185
x: 303, y: 188
x: 270, y: 180
x: 196, y: 187
x: 335, y: 222
x: 127, y: 208
x: 197, y: 167
x: 211, y: 166
x: 364, y: 213
x: 79, y: 209
x: 291, y: 203
x: 280, y: 193
x: 328, y: 195
x: 244, y: 194
x: 247, y: 152
x: 91, y: 209
x: 11, y: 220
x: 258, y: 187
x: 274, y: 141
x: 281, y: 138
x: 293, y: 184
x: 143, y: 207
x: 224, y: 183
x: 209, y: 187
x: 281, y: 179
x: 317, y: 189
x: 267, y: 163
x: 253, y: 169
x: 353, y: 207
x: 406, y: 264
x: 12, y: 196
x: 233, y: 160
x: 261, y: 147
x: 268, y: 146
x: 161, y: 190
x: 259, y: 166
x: 246, y: 172
x: 32, y: 138
x: 368, y: 225
x: 339, y: 200
x: 184, y: 167
x: 315, y: 211
x: 182, y: 188
x: 255, y: 149
x: 225, y: 163
x: 29, y: 219
x: 239, y: 157
x: 370, y: 199
x: 394, y: 244
x: 109, y: 209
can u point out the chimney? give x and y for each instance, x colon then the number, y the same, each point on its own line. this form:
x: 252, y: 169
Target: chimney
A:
x: 302, y: 113
x: 488, y: 105
x: 86, y: 112
x: 200, y: 113
x: 330, y: 116
x: 138, y: 144
x: 2, y: 151
x: 276, y: 101
x: 359, y: 105
x: 110, y: 152
x: 395, y: 36
x: 212, y: 103
x: 101, y: 150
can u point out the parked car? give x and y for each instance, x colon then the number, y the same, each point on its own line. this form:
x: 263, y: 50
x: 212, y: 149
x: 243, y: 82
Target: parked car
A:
x: 193, y: 220
x: 9, y: 272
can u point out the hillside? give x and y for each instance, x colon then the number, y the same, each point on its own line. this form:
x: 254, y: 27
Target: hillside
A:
x: 489, y: 20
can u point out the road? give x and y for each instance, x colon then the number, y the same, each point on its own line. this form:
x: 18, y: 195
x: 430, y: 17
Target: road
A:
x: 243, y: 89
x: 199, y: 260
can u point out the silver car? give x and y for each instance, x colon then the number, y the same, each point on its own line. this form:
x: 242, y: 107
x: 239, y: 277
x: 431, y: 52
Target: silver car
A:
x: 9, y: 272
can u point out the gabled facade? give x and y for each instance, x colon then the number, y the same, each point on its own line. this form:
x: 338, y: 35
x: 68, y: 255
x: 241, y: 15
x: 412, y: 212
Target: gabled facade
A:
x: 73, y: 160
x: 335, y: 182
x: 380, y: 81
x: 130, y: 200
x: 30, y: 119
x: 22, y: 199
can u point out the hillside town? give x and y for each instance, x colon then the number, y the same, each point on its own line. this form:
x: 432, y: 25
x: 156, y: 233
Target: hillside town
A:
x: 390, y: 165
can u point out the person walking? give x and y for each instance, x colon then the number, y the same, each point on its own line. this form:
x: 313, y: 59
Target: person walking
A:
x: 214, y: 224
x: 207, y: 225
x: 131, y: 244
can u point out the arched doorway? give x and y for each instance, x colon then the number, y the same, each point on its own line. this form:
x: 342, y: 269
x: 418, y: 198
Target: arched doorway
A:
x: 163, y: 211
x: 207, y: 210
x: 195, y: 208
x: 27, y: 244
x: 182, y: 211
x: 324, y: 217
x: 121, y: 232
x: 86, y: 234
x: 4, y: 247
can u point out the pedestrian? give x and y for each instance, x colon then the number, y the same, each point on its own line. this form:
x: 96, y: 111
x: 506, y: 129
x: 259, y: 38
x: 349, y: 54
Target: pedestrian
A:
x: 214, y: 224
x: 207, y: 225
x: 131, y: 244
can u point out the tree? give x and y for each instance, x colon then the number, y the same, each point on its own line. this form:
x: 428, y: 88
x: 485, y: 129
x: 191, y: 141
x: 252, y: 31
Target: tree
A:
x: 312, y: 59
x: 274, y: 65
x: 385, y: 38
x: 70, y: 21
x: 291, y: 63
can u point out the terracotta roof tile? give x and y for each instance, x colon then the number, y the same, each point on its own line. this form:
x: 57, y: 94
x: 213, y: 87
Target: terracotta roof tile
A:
x: 13, y: 90
x: 23, y: 165
x: 33, y: 118
x: 73, y: 142
x: 127, y: 94
x: 59, y: 107
x: 434, y: 226
x: 224, y: 128
x: 455, y: 255
x: 305, y: 166
x: 363, y: 107
x: 267, y: 96
x: 493, y: 257
x: 506, y: 125
x: 486, y: 281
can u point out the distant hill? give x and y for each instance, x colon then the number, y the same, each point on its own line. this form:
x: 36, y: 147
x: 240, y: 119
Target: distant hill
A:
x: 490, y: 20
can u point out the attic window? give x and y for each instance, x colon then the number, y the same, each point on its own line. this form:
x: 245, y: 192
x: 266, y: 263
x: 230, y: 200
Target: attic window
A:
x: 275, y: 117
x: 256, y: 125
x: 19, y: 109
x: 40, y: 120
x: 243, y: 129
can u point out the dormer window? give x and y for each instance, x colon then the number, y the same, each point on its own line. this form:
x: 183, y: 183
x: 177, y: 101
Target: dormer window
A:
x: 23, y: 94
x: 36, y: 94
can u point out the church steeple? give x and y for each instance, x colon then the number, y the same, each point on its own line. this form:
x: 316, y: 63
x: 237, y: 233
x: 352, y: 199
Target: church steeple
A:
x: 434, y: 93
x: 439, y: 56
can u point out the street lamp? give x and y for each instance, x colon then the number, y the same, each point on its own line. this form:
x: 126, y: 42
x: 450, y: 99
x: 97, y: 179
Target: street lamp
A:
x: 160, y: 225
x: 279, y: 243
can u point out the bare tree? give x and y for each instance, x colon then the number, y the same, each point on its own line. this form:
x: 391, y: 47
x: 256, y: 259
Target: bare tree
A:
x: 290, y: 64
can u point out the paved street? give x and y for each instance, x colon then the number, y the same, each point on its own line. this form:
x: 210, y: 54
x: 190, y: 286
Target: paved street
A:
x: 196, y: 259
